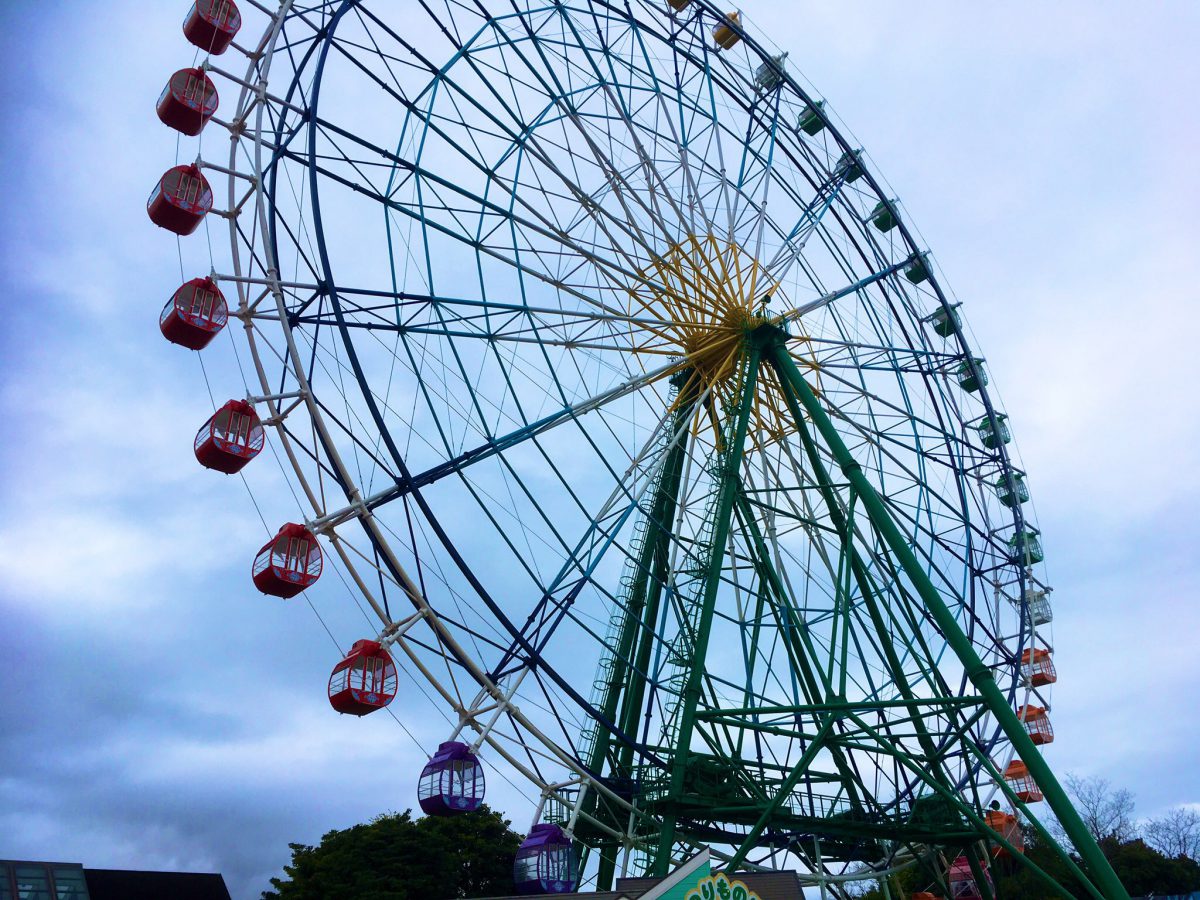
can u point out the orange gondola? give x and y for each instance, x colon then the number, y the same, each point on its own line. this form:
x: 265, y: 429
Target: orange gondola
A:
x: 1037, y: 667
x: 1023, y: 786
x: 1007, y: 826
x: 1037, y: 724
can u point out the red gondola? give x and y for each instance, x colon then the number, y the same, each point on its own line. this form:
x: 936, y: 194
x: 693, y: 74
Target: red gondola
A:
x: 188, y: 101
x: 451, y: 782
x: 230, y: 439
x: 364, y: 681
x: 180, y: 200
x: 289, y: 563
x: 194, y: 315
x: 962, y: 881
x: 212, y: 24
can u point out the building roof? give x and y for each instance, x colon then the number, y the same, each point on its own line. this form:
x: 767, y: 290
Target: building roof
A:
x: 768, y: 886
x: 119, y: 884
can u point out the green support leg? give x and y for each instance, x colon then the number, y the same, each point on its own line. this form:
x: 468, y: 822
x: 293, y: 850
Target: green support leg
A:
x: 867, y: 587
x: 731, y: 467
x: 626, y: 685
x: 978, y: 673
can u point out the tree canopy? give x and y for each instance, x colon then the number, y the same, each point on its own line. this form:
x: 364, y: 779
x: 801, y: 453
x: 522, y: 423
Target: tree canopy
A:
x: 395, y: 857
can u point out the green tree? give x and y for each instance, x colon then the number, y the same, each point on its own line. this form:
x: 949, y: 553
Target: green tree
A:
x: 395, y: 857
x: 1143, y: 870
x: 1014, y: 881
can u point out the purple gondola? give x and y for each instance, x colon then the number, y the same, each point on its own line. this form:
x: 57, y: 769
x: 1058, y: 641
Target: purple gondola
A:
x: 545, y: 862
x: 451, y: 782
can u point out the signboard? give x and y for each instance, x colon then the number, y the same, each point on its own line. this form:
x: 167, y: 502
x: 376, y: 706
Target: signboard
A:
x: 694, y: 881
x: 719, y: 887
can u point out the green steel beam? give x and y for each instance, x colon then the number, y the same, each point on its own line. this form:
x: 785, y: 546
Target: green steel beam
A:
x: 844, y: 525
x: 781, y: 795
x: 731, y: 464
x: 978, y: 673
x: 970, y: 700
x: 803, y: 652
x: 627, y: 682
x: 992, y: 835
x: 631, y: 708
x: 1022, y: 807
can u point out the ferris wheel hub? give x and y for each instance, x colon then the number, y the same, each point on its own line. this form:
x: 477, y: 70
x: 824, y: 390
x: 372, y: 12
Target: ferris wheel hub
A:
x: 707, y: 291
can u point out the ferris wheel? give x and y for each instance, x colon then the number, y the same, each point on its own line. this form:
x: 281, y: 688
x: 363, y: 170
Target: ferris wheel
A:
x: 618, y: 386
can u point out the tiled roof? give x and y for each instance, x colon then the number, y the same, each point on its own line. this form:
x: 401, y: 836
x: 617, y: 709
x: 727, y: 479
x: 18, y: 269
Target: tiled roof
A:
x: 118, y: 884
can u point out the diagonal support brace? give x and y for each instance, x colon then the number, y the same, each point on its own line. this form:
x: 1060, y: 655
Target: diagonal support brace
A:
x: 1106, y: 881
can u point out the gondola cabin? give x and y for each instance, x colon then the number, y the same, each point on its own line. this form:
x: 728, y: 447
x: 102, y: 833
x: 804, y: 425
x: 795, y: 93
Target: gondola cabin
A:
x: 962, y: 881
x: 1021, y: 782
x: 917, y: 270
x: 1025, y: 547
x: 883, y: 216
x: 769, y: 75
x: 1011, y: 489
x: 678, y: 5
x: 289, y: 563
x: 971, y: 376
x: 849, y: 166
x: 545, y: 862
x: 1037, y: 724
x: 188, y: 101
x: 180, y: 200
x: 230, y: 438
x: 194, y: 315
x: 812, y: 121
x: 726, y: 33
x: 993, y: 430
x: 1038, y: 610
x: 1037, y: 667
x: 364, y: 681
x: 212, y: 25
x: 1007, y: 826
x: 451, y: 782
x: 945, y: 320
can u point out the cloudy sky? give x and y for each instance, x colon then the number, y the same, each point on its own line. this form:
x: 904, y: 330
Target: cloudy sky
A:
x: 157, y: 713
